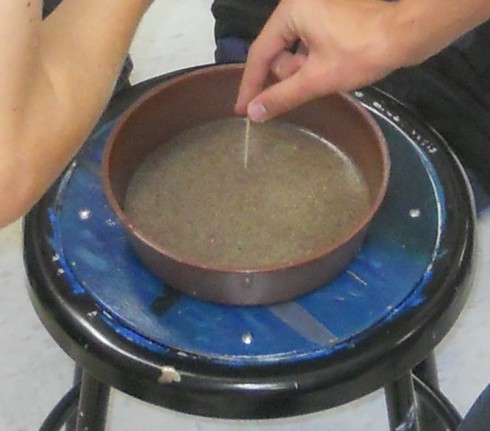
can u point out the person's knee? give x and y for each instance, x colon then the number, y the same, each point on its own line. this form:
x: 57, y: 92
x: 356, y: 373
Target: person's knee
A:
x: 231, y: 50
x: 478, y: 417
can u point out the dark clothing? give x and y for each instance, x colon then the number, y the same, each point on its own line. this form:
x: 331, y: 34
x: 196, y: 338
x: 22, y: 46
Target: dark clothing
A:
x: 241, y: 18
x: 49, y: 6
x: 478, y: 418
x: 451, y: 92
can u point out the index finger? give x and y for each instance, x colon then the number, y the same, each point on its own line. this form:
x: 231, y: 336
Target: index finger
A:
x: 275, y: 37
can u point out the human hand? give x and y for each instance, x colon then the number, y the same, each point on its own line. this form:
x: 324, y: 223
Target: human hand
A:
x: 348, y: 44
x: 344, y: 48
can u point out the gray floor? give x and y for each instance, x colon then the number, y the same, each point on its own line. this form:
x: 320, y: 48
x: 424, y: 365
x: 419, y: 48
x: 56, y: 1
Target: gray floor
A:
x: 34, y: 372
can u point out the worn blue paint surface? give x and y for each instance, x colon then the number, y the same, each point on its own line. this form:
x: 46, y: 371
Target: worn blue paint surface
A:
x: 384, y: 280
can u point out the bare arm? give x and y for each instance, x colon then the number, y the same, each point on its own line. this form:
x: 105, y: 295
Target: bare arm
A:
x: 56, y: 78
x: 349, y: 44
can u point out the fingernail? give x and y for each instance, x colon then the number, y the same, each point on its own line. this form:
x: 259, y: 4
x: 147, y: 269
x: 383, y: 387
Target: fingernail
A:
x: 256, y: 111
x: 278, y: 69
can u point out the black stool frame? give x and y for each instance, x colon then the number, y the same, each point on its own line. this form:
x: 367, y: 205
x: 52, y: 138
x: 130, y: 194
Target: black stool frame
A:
x: 197, y: 386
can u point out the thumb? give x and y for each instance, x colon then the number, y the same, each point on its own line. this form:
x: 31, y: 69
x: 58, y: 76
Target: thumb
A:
x: 287, y: 64
x: 299, y: 88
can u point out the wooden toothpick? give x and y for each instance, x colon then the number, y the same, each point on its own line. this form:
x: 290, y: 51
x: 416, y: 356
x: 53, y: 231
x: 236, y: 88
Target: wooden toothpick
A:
x: 247, y: 143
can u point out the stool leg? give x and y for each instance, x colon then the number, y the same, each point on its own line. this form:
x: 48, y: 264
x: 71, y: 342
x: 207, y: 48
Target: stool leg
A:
x: 427, y: 371
x: 77, y: 378
x: 92, y: 408
x: 401, y: 404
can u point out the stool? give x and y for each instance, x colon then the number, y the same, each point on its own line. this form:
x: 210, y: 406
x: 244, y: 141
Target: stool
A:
x: 374, y: 326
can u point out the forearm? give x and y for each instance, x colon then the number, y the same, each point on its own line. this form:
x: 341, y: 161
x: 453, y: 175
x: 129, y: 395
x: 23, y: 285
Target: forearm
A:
x: 60, y: 75
x: 421, y: 28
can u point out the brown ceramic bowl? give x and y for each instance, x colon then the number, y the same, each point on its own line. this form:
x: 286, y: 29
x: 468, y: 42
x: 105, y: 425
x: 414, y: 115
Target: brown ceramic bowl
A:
x: 206, y: 95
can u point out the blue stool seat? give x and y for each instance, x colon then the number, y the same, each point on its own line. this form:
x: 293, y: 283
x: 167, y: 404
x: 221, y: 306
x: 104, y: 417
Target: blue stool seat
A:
x: 371, y: 325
